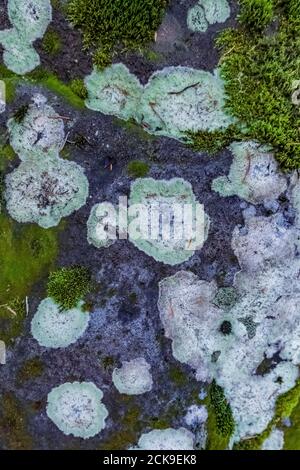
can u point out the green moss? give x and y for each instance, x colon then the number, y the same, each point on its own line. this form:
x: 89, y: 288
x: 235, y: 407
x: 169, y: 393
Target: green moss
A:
x: 138, y: 169
x: 31, y: 369
x: 78, y: 87
x: 287, y: 405
x: 213, y: 142
x: 13, y: 427
x: 68, y: 286
x: 256, y: 14
x: 259, y: 70
x: 52, y: 42
x: 20, y: 114
x: 220, y: 424
x: 27, y: 252
x: 108, y: 26
x: 108, y: 362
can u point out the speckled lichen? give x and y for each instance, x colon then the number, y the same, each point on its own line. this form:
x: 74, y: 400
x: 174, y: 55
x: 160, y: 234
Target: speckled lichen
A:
x: 167, y: 439
x: 207, y: 12
x: 45, y: 191
x: 133, y: 378
x: 53, y: 327
x: 30, y: 19
x: 275, y: 441
x: 76, y: 408
x: 39, y: 134
x: 175, y: 101
x: 264, y: 322
x: 115, y: 91
x: 253, y: 175
x: 164, y: 195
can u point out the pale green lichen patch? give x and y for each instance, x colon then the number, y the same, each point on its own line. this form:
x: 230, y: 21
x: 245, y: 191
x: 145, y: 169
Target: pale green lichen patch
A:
x: 166, y: 243
x: 30, y: 19
x: 176, y: 100
x: 253, y: 175
x: 41, y: 132
x: 207, y: 12
x: 76, y: 408
x: 115, y: 91
x: 133, y: 378
x: 234, y: 344
x: 44, y: 191
x: 167, y: 439
x: 53, y: 327
x: 275, y: 441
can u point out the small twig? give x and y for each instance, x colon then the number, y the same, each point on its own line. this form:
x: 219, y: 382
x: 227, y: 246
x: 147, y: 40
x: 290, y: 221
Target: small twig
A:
x: 185, y: 89
x: 27, y: 306
x: 9, y: 309
x: 65, y: 118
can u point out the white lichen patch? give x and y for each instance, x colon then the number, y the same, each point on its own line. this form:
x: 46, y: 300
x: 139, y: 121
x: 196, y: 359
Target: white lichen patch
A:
x: 40, y: 134
x: 53, y: 327
x: 253, y: 175
x: 167, y: 439
x: 196, y: 415
x: 2, y: 353
x: 115, y: 91
x: 102, y: 225
x: 275, y: 441
x: 250, y: 349
x: 134, y: 377
x: 156, y: 230
x: 76, y: 408
x: 207, y: 12
x: 30, y: 19
x: 43, y: 191
x: 176, y: 100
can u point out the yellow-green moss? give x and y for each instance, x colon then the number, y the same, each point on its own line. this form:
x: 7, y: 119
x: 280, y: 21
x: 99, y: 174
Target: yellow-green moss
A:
x: 13, y: 427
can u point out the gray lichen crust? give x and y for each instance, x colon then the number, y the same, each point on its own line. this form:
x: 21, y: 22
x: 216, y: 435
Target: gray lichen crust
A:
x: 30, y: 19
x: 45, y: 191
x: 56, y: 328
x: 175, y: 101
x: 207, y: 12
x: 76, y: 409
x: 134, y: 377
x: 167, y: 439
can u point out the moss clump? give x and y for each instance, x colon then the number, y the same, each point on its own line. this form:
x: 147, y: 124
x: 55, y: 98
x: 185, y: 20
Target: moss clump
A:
x: 13, y: 428
x: 224, y: 418
x: 78, y: 87
x: 52, y: 42
x: 31, y: 369
x: 68, y: 286
x: 26, y: 253
x: 256, y: 14
x: 20, y: 114
x: 177, y: 376
x: 259, y: 70
x: 137, y: 169
x: 107, y: 25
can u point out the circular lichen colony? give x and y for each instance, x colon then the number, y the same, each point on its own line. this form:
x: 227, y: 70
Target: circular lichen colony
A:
x: 178, y: 100
x: 76, y: 409
x: 40, y: 134
x: 133, y: 378
x: 45, y: 191
x: 207, y: 12
x: 53, y: 327
x: 253, y: 175
x: 115, y: 91
x: 30, y: 19
x: 162, y: 233
x: 167, y: 439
